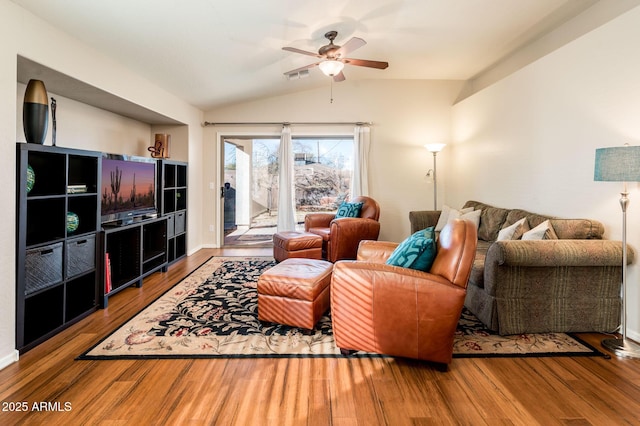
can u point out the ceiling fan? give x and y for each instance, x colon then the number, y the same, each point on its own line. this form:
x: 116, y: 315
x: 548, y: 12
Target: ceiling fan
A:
x: 333, y: 57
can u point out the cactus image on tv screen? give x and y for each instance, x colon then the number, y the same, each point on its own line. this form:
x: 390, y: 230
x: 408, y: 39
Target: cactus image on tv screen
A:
x: 128, y: 187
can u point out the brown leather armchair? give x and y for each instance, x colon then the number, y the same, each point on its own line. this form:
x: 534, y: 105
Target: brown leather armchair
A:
x: 340, y: 237
x: 403, y: 312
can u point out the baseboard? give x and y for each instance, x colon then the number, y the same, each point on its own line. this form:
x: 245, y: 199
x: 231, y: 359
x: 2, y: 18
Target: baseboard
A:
x: 9, y: 359
x: 208, y: 246
x: 195, y: 249
x: 633, y: 336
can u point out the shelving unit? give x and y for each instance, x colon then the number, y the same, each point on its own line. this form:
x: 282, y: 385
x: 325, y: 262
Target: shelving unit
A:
x: 61, y: 249
x: 172, y: 181
x: 56, y: 263
x: 133, y: 252
x: 60, y: 273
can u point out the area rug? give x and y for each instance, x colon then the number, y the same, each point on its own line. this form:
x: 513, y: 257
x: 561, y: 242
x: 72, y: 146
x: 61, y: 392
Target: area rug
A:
x: 213, y: 313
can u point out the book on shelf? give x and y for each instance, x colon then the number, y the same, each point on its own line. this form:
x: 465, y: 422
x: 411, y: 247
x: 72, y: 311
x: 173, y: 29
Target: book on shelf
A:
x: 107, y: 273
x: 76, y: 189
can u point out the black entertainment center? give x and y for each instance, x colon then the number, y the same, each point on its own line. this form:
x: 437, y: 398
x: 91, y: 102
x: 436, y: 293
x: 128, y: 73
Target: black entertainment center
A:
x: 88, y: 226
x: 131, y: 252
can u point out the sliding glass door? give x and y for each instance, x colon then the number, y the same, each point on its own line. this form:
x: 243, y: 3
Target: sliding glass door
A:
x: 322, y: 178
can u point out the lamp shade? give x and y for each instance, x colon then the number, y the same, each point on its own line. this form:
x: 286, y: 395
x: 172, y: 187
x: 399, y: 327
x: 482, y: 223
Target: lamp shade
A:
x: 331, y: 68
x: 617, y: 164
x: 435, y: 147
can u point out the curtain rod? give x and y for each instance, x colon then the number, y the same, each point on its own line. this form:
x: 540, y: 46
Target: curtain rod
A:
x: 286, y: 123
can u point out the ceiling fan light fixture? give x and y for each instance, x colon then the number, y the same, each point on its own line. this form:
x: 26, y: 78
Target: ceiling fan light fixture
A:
x: 331, y: 67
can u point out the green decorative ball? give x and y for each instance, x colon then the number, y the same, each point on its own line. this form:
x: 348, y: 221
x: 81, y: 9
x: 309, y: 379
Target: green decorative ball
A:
x: 72, y: 222
x: 31, y: 178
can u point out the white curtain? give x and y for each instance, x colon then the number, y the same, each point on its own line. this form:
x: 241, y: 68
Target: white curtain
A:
x: 286, y: 197
x: 360, y: 173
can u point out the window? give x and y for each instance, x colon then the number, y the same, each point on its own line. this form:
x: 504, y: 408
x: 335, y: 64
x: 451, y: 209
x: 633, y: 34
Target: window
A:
x: 322, y: 171
x: 322, y: 167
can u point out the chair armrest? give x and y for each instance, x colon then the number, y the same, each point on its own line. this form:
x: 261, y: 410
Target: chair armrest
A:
x: 423, y: 219
x: 372, y: 302
x: 396, y: 276
x: 375, y: 251
x: 346, y: 234
x: 317, y: 220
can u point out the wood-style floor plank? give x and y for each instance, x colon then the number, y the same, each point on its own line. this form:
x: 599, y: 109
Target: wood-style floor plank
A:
x: 321, y: 391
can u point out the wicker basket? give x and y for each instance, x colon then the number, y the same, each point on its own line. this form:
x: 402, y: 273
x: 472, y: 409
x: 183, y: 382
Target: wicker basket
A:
x: 81, y: 255
x: 43, y: 267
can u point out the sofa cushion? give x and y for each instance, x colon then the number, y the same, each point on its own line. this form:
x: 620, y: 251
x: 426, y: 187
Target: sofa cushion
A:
x: 532, y: 218
x: 416, y: 252
x: 578, y: 229
x: 477, y: 271
x: 491, y: 221
x: 475, y: 205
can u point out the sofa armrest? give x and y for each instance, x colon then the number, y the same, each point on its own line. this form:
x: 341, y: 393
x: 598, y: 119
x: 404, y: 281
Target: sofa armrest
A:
x: 553, y: 285
x: 549, y: 268
x: 550, y: 253
x: 317, y: 220
x: 423, y: 219
x: 375, y: 251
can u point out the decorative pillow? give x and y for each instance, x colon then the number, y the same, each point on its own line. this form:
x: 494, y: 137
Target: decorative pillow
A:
x: 448, y: 213
x: 521, y: 230
x: 416, y: 252
x: 348, y: 210
x: 509, y: 232
x: 473, y: 216
x: 544, y: 231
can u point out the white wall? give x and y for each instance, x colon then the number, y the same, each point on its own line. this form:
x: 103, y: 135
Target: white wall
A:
x: 85, y: 127
x: 529, y: 140
x: 406, y: 114
x: 25, y: 35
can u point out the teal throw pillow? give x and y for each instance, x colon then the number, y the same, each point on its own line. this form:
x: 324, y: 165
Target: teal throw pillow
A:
x: 349, y: 210
x: 416, y: 252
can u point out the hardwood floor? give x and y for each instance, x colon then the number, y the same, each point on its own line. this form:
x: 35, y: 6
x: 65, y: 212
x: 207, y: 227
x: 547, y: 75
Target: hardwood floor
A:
x: 491, y: 391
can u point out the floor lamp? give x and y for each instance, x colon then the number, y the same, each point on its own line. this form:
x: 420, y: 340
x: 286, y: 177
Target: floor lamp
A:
x: 434, y: 148
x: 620, y: 164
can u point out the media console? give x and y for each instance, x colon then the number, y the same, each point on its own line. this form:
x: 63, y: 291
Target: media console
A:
x: 130, y: 253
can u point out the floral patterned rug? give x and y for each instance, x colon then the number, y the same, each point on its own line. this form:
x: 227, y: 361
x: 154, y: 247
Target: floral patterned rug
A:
x: 213, y: 313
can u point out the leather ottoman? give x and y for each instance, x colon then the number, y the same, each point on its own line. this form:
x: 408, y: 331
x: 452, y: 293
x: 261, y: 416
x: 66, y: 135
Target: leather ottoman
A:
x: 289, y: 244
x: 295, y: 292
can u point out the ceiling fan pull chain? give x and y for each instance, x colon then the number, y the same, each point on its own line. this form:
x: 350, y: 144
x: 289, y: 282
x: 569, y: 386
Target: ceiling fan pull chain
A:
x: 331, y: 90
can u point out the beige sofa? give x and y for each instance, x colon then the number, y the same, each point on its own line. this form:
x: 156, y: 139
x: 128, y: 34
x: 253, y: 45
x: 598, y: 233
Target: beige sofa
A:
x: 568, y: 284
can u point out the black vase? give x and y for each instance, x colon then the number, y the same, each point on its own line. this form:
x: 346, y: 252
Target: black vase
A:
x: 35, y: 112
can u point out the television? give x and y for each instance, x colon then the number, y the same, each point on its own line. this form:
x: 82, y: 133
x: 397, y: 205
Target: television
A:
x: 128, y: 188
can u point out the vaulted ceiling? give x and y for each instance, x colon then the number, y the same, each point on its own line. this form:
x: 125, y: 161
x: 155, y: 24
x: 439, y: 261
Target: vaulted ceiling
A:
x: 216, y: 52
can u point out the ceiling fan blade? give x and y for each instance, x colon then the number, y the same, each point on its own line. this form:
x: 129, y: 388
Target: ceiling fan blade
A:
x: 353, y: 44
x: 365, y: 63
x: 339, y: 77
x: 306, y: 67
x: 304, y: 52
